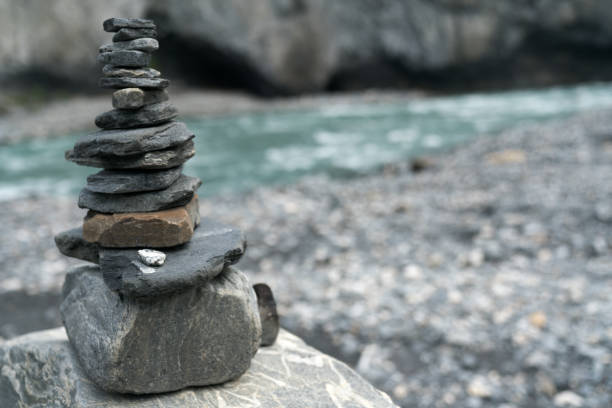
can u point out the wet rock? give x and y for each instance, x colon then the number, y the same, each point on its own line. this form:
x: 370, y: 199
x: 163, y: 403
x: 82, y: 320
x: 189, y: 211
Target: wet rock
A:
x: 115, y: 24
x: 127, y: 34
x: 71, y: 243
x: 287, y: 365
x: 148, y: 115
x: 121, y: 182
x: 132, y: 346
x: 134, y: 98
x: 125, y: 58
x: 118, y: 72
x: 126, y: 142
x: 118, y: 83
x: 179, y: 193
x: 141, y: 44
x: 267, y: 313
x: 157, y: 229
x: 154, y: 160
x: 151, y: 257
x: 212, y: 247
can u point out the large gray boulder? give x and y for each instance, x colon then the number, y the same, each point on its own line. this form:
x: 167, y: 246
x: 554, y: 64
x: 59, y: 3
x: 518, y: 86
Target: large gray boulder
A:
x: 204, y: 335
x: 40, y: 370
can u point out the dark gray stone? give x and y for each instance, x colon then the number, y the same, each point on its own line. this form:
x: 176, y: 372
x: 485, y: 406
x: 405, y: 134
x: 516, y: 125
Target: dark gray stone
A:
x: 212, y: 247
x: 134, y: 98
x: 121, y: 182
x: 204, y: 335
x: 116, y: 72
x: 179, y: 193
x: 132, y: 141
x: 71, y: 243
x: 127, y: 34
x: 140, y: 44
x: 148, y: 115
x: 125, y: 58
x: 118, y: 83
x: 115, y: 24
x: 289, y: 374
x: 267, y: 314
x: 154, y: 160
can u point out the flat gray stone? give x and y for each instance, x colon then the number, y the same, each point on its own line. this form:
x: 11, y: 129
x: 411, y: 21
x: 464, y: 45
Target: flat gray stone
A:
x: 140, y: 44
x: 127, y: 34
x: 40, y: 369
x: 267, y: 313
x: 148, y: 115
x: 212, y: 247
x: 118, y: 83
x: 132, y: 141
x: 204, y: 335
x: 153, y: 160
x: 125, y: 181
x: 115, y: 24
x: 117, y: 72
x: 72, y: 244
x: 125, y: 58
x: 177, y: 194
x: 134, y: 98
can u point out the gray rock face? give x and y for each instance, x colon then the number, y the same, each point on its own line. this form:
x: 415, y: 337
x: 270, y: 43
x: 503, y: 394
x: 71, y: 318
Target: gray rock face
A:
x: 127, y: 34
x: 115, y: 24
x: 153, y: 160
x: 121, y: 182
x: 72, y: 244
x: 178, y: 193
x: 130, y: 142
x: 125, y: 58
x: 314, y: 378
x: 115, y: 72
x: 139, y: 44
x: 148, y: 115
x: 134, y: 98
x: 118, y: 83
x: 204, y: 335
x: 212, y: 247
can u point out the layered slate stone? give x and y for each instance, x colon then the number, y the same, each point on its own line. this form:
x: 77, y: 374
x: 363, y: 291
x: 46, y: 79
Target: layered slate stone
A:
x: 212, y: 247
x: 140, y: 44
x: 134, y: 98
x: 125, y: 58
x: 200, y: 336
x: 115, y: 24
x: 125, y: 181
x: 131, y: 141
x: 148, y: 115
x: 158, y: 229
x: 179, y: 193
x: 154, y: 160
x: 118, y: 83
x: 118, y: 72
x: 288, y: 374
x: 127, y: 34
x: 71, y: 243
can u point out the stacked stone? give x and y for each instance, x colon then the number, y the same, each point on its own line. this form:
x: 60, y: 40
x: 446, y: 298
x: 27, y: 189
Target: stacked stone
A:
x: 162, y: 309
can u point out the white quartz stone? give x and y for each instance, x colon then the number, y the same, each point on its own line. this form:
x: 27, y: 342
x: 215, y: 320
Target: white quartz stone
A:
x: 152, y: 257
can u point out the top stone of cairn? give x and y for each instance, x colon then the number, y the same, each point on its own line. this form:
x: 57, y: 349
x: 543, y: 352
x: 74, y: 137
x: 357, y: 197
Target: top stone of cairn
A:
x: 112, y: 25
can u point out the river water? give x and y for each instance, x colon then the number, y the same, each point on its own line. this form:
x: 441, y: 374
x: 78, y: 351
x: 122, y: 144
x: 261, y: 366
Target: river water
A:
x: 240, y: 152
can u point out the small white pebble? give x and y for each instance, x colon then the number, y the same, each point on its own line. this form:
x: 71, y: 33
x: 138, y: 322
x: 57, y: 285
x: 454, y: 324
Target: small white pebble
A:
x: 151, y: 257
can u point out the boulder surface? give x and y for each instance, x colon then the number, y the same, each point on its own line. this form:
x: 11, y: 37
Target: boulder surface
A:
x: 41, y: 370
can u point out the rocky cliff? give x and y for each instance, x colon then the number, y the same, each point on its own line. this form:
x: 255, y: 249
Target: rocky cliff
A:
x: 294, y: 46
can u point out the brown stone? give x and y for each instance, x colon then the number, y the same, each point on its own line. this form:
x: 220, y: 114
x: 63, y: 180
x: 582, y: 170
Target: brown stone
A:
x: 158, y: 229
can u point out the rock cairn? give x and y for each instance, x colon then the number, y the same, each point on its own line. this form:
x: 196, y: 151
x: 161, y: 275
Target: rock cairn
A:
x: 162, y: 309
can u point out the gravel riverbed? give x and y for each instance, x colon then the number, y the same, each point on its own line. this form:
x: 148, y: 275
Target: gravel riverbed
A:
x: 483, y: 280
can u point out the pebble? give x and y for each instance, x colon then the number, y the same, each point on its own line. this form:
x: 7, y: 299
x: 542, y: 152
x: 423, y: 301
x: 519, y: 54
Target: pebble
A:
x: 135, y: 98
x: 568, y: 399
x: 152, y: 257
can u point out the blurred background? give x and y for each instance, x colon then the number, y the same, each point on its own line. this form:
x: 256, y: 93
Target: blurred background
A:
x: 425, y: 185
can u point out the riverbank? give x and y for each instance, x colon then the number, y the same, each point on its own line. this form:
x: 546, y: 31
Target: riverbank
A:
x: 64, y: 116
x: 482, y: 280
